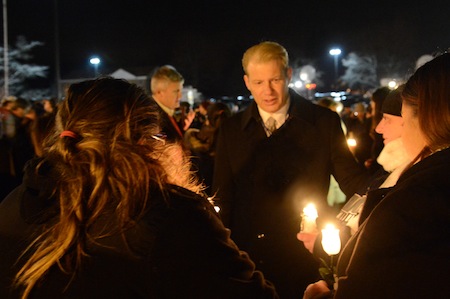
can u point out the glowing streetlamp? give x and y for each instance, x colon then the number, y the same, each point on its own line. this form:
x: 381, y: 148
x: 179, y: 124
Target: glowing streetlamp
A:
x: 335, y: 53
x: 392, y: 84
x: 95, y: 61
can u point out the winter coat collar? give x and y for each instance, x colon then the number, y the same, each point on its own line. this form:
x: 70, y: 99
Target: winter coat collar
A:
x: 439, y: 159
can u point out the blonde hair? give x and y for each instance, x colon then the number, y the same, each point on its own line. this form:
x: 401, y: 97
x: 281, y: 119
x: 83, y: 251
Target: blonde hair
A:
x: 265, y: 52
x: 108, y: 163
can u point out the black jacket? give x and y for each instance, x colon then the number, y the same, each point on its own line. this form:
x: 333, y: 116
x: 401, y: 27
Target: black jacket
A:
x: 263, y: 183
x: 402, y: 248
x: 168, y: 127
x: 180, y: 249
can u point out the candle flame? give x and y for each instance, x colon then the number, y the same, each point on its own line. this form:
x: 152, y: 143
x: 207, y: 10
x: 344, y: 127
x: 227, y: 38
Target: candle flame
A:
x: 310, y: 211
x: 331, y: 242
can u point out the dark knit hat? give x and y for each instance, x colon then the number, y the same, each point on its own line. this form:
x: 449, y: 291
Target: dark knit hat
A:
x: 393, y: 102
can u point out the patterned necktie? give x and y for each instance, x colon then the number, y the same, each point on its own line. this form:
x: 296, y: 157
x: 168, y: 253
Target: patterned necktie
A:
x: 271, y: 125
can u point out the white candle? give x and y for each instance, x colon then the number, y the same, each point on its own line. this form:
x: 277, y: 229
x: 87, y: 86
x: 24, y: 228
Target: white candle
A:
x: 309, y: 217
x: 331, y: 242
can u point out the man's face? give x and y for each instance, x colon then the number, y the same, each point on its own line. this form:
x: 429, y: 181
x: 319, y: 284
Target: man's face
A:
x: 268, y: 84
x: 390, y: 126
x: 171, y: 96
x: 19, y: 112
x: 48, y: 106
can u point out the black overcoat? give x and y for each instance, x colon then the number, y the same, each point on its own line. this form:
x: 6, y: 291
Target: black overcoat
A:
x: 263, y: 183
x: 402, y: 248
x: 172, y: 133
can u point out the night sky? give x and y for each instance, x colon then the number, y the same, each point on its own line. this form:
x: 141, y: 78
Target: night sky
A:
x: 205, y: 40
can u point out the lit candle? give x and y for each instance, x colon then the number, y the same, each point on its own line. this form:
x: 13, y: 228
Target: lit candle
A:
x: 331, y: 241
x: 309, y: 216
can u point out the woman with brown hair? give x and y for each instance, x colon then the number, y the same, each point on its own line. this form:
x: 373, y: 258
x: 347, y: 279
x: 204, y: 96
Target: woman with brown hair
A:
x: 111, y: 210
x: 401, y: 250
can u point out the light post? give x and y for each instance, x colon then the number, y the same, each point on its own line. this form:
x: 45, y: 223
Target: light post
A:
x: 5, y: 50
x: 95, y: 61
x: 335, y: 53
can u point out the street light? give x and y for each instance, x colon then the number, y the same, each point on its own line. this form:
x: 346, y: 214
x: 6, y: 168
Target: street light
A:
x: 95, y: 61
x: 5, y: 50
x: 335, y: 53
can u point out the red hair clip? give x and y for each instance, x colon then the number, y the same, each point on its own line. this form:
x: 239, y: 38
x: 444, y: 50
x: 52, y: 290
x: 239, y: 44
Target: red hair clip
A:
x: 68, y: 134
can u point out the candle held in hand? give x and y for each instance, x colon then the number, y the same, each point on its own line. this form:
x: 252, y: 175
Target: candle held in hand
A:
x: 309, y: 216
x: 331, y: 242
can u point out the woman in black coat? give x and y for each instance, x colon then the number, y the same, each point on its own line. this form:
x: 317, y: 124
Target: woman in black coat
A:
x: 402, y: 248
x: 111, y: 211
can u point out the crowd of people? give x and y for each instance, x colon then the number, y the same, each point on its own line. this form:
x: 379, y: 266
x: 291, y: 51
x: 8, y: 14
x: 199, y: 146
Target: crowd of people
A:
x: 119, y: 193
x: 23, y: 125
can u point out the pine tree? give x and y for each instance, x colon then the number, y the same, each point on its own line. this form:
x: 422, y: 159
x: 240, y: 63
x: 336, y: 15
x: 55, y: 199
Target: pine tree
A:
x: 20, y: 68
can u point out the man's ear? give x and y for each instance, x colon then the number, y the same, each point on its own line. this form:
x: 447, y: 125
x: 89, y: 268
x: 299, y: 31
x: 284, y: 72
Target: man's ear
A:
x: 246, y: 80
x: 289, y: 74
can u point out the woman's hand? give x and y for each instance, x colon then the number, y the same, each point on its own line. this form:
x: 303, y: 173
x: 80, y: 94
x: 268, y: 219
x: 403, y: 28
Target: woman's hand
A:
x: 318, y: 290
x: 308, y: 240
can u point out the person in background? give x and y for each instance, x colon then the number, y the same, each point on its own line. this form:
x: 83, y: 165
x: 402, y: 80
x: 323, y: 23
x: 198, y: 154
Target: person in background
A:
x: 21, y: 145
x: 112, y: 211
x: 41, y: 127
x: 376, y: 102
x: 201, y: 115
x: 271, y: 160
x: 335, y: 195
x: 393, y: 159
x: 358, y: 126
x: 401, y: 249
x: 8, y: 179
x: 50, y: 105
x: 166, y: 85
x: 202, y: 142
x: 185, y: 115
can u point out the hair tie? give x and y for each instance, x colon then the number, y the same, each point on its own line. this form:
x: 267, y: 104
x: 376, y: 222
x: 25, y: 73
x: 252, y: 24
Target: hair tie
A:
x: 68, y: 134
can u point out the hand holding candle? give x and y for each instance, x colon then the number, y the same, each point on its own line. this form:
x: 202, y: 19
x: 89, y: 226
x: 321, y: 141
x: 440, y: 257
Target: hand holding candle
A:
x: 309, y: 216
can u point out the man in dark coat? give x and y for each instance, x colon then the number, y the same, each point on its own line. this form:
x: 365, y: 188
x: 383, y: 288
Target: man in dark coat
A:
x: 265, y: 176
x: 166, y: 86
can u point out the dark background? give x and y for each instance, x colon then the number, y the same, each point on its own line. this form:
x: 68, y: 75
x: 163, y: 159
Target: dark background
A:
x: 205, y: 40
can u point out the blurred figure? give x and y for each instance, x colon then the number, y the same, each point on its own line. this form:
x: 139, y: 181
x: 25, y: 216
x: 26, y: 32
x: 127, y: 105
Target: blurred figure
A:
x: 201, y: 114
x: 358, y: 126
x: 166, y: 86
x: 335, y: 195
x: 49, y: 105
x: 111, y: 211
x: 184, y: 115
x: 202, y: 142
x: 21, y: 145
x: 272, y: 159
x: 40, y: 129
x: 376, y: 102
x: 7, y: 131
